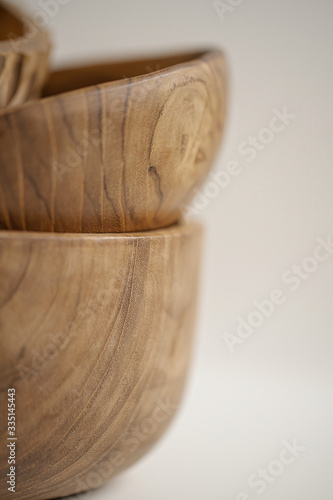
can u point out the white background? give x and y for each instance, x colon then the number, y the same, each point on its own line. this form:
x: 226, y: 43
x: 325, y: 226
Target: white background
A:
x: 277, y: 385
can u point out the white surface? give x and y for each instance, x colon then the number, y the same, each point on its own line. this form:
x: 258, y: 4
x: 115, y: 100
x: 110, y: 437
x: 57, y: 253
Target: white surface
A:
x: 277, y: 385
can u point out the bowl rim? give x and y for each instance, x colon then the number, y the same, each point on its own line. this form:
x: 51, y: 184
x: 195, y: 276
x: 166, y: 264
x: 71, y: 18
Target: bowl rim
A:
x: 195, y: 57
x: 179, y: 229
x: 39, y: 42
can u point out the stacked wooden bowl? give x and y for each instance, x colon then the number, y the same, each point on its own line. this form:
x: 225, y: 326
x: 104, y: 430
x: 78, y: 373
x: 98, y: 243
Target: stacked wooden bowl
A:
x: 23, y: 59
x: 99, y: 276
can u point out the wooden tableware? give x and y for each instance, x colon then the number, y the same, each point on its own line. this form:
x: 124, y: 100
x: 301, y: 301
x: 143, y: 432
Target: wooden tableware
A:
x: 24, y: 55
x: 123, y: 152
x: 96, y: 335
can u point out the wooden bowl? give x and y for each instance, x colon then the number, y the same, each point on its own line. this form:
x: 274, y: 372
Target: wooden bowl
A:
x: 23, y: 59
x: 112, y: 157
x: 96, y: 335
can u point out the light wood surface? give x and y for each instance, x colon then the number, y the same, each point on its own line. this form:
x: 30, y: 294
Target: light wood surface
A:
x: 123, y: 154
x: 24, y: 56
x: 96, y: 334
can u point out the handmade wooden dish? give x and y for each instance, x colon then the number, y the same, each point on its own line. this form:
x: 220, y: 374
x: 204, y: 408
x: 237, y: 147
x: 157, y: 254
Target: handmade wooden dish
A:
x: 23, y: 60
x: 122, y: 153
x: 95, y: 338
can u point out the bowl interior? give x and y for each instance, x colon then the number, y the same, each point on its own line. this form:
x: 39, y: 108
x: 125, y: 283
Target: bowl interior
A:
x: 10, y: 25
x: 85, y: 76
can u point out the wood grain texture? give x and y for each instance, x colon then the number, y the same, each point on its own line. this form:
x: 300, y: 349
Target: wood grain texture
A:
x: 23, y: 60
x: 119, y: 156
x: 96, y: 334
